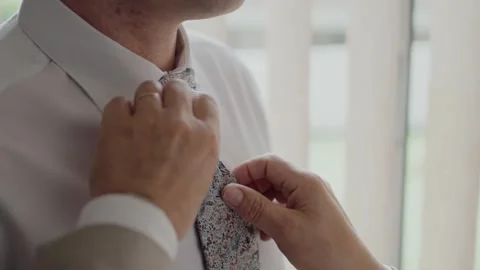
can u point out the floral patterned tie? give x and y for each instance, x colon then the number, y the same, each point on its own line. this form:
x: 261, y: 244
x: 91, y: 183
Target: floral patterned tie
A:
x: 226, y: 240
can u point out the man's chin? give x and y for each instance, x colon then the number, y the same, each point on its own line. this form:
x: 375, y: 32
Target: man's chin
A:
x: 236, y: 4
x: 215, y: 8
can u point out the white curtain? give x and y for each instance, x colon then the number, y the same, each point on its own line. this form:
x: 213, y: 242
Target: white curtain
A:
x: 453, y: 140
x: 379, y: 40
x: 379, y: 46
x: 288, y: 36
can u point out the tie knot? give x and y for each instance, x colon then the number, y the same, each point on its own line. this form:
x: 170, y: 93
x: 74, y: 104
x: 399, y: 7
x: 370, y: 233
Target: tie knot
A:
x: 187, y: 75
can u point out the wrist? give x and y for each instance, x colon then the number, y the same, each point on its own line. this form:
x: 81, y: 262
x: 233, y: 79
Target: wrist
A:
x: 364, y: 260
x: 353, y: 254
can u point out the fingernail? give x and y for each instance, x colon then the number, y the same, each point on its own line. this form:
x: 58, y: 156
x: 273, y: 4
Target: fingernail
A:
x: 233, y: 196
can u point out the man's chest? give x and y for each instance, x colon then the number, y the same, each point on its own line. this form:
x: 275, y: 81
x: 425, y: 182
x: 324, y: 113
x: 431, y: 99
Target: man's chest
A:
x: 47, y: 145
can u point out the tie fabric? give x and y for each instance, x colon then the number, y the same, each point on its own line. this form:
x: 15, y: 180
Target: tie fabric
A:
x: 226, y: 240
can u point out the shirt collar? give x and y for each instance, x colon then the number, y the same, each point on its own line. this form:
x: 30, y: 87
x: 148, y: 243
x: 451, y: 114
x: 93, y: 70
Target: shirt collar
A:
x: 101, y: 66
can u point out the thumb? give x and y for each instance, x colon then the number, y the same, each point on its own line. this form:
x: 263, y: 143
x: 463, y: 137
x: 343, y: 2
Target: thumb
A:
x: 255, y: 208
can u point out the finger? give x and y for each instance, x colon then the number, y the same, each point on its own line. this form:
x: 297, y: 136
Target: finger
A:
x: 177, y: 96
x: 268, y: 193
x: 263, y: 185
x: 147, y: 99
x: 117, y: 113
x: 205, y: 108
x: 269, y: 172
x: 256, y: 209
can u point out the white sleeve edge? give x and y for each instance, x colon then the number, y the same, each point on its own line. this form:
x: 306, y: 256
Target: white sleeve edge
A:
x: 132, y: 213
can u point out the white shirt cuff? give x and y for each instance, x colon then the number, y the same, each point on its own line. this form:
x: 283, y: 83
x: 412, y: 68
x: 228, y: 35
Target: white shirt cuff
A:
x: 132, y: 213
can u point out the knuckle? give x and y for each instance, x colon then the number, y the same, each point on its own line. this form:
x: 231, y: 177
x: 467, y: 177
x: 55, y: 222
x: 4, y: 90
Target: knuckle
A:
x: 115, y: 103
x: 147, y: 86
x: 276, y: 160
x: 317, y: 183
x: 180, y: 93
x: 113, y: 110
x: 176, y: 85
x: 272, y: 157
x: 313, y: 176
x: 207, y: 100
x: 325, y: 184
x: 180, y: 126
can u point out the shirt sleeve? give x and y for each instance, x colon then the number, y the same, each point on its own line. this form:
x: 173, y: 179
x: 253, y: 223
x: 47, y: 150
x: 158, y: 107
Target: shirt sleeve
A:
x: 132, y: 213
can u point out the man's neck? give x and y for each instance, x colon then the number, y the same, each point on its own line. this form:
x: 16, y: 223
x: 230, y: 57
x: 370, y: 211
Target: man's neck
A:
x: 144, y: 32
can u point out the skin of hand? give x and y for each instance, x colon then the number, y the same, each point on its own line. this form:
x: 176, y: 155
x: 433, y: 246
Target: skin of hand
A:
x: 163, y: 148
x: 300, y: 212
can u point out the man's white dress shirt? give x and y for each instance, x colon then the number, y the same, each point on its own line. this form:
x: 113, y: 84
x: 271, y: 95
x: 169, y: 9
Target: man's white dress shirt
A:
x: 56, y: 75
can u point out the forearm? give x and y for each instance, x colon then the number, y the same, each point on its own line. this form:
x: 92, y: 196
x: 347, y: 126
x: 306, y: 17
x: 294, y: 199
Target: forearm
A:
x: 114, y: 232
x: 102, y: 248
